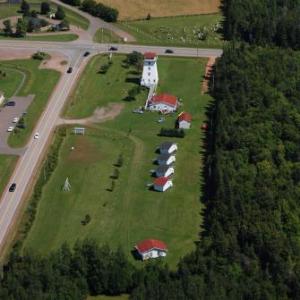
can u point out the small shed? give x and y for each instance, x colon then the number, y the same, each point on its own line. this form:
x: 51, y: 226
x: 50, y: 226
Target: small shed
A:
x: 161, y: 184
x: 164, y: 171
x: 184, y: 120
x: 151, y: 248
x: 166, y: 159
x: 168, y: 148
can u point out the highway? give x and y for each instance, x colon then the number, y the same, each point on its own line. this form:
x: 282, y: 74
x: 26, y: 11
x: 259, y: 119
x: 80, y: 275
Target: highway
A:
x: 28, y: 162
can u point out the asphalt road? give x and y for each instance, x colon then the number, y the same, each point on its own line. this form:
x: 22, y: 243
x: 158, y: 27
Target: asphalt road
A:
x: 28, y: 162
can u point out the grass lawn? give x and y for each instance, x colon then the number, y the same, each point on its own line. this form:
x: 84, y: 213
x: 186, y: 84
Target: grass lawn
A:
x: 137, y: 9
x: 131, y: 212
x: 40, y: 37
x: 106, y: 36
x: 176, y: 31
x: 39, y: 82
x: 10, y: 82
x: 7, y: 165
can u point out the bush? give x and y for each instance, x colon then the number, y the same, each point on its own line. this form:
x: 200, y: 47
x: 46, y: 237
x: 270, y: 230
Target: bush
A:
x: 45, y: 8
x: 39, y: 55
x: 60, y: 13
x: 179, y: 133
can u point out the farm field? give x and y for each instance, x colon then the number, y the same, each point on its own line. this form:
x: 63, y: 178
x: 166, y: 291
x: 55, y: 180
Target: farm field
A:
x: 106, y: 36
x: 10, y: 80
x: 131, y: 212
x: 137, y: 9
x: 39, y: 82
x: 7, y: 164
x: 177, y: 31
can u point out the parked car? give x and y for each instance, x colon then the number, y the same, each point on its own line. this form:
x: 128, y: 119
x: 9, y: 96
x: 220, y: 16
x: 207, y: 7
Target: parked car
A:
x: 12, y: 187
x: 70, y: 70
x: 169, y: 51
x: 86, y: 54
x: 36, y: 136
x: 113, y: 48
x: 10, y: 128
x: 15, y: 120
x: 10, y: 103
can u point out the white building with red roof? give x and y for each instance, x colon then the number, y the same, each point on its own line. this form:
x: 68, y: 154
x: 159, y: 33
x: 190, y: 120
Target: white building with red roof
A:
x: 161, y: 184
x: 184, y: 120
x: 151, y: 249
x: 165, y: 103
x: 150, y: 73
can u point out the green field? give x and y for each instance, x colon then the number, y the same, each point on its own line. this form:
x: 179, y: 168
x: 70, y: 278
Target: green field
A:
x: 73, y: 18
x: 106, y: 36
x: 10, y: 82
x: 39, y: 82
x: 176, y: 31
x: 7, y: 164
x: 122, y: 297
x: 131, y: 212
x: 45, y: 37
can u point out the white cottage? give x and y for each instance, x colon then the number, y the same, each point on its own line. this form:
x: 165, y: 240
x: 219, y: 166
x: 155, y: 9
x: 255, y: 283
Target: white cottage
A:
x: 164, y: 103
x: 164, y: 171
x: 161, y: 184
x: 150, y: 73
x: 166, y: 159
x: 184, y: 120
x: 168, y: 148
x: 151, y: 249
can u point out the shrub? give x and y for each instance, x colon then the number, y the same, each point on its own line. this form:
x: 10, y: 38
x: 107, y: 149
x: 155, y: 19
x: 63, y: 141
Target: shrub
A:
x: 179, y: 133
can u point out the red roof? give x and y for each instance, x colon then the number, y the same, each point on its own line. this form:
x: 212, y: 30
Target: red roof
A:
x: 184, y: 116
x: 148, y: 245
x: 161, y: 181
x: 149, y: 55
x: 165, y: 99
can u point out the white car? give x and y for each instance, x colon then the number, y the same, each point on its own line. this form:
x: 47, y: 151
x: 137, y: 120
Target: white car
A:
x: 36, y: 136
x: 15, y: 120
x: 10, y: 128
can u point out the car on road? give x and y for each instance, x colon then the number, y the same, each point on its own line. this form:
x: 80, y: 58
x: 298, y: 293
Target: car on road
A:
x: 12, y: 187
x: 10, y: 103
x: 15, y: 120
x: 113, y: 48
x: 70, y: 70
x: 10, y: 129
x: 86, y: 54
x: 169, y: 51
x: 36, y: 136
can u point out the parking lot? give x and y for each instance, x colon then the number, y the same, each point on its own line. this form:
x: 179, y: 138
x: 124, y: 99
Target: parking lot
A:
x: 7, y: 114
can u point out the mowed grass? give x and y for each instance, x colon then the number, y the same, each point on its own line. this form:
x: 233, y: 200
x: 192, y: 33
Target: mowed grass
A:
x: 10, y: 82
x: 106, y: 36
x: 7, y: 164
x: 177, y: 31
x: 131, y: 212
x: 45, y: 37
x: 138, y: 9
x: 39, y: 82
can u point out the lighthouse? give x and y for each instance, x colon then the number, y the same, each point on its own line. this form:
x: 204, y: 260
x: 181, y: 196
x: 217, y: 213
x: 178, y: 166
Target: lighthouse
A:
x: 150, y: 73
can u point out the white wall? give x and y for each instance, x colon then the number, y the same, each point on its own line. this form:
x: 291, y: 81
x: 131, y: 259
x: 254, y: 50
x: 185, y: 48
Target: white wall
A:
x: 150, y: 73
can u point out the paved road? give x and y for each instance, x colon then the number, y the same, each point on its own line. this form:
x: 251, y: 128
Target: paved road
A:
x: 27, y: 164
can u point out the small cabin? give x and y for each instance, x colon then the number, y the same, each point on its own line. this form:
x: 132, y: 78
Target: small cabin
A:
x: 168, y: 148
x: 184, y: 120
x: 164, y: 171
x: 166, y: 159
x: 151, y: 248
x: 161, y: 184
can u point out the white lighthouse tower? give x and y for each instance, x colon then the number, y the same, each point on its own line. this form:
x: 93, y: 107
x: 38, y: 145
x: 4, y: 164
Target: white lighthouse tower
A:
x: 150, y: 73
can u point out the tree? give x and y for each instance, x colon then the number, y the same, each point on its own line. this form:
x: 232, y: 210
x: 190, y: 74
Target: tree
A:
x: 25, y: 8
x: 60, y: 13
x: 64, y: 25
x: 7, y: 28
x: 135, y: 59
x: 21, y: 27
x: 45, y: 8
x: 34, y: 14
x: 132, y: 93
x: 148, y: 17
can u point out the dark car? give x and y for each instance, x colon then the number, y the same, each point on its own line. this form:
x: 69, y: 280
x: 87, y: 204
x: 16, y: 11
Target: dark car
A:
x: 70, y: 70
x: 169, y: 51
x: 86, y: 54
x: 113, y: 48
x: 12, y: 187
x: 10, y: 103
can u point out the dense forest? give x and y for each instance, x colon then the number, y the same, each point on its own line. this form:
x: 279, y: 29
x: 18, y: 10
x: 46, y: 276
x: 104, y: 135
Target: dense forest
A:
x: 263, y: 22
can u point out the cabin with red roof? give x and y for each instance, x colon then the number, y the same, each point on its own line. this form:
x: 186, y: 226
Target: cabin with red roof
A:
x: 161, y: 184
x: 184, y: 120
x: 165, y: 103
x: 151, y: 249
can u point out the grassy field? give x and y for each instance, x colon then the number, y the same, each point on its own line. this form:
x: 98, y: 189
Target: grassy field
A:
x: 10, y: 82
x: 45, y: 37
x: 7, y: 164
x: 137, y: 9
x: 39, y: 82
x: 131, y: 212
x: 122, y: 297
x: 73, y: 18
x: 177, y: 31
x: 106, y: 36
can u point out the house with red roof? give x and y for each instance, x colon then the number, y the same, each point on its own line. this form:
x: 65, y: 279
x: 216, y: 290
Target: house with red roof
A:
x: 151, y: 249
x: 184, y: 120
x: 161, y: 184
x: 165, y: 103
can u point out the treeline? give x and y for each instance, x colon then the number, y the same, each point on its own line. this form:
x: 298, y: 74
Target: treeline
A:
x: 263, y: 22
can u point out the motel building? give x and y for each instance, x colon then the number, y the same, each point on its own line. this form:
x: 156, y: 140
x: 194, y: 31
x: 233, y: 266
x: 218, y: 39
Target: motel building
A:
x: 164, y: 103
x: 161, y: 184
x: 151, y: 249
x: 164, y: 171
x: 166, y: 159
x: 150, y: 72
x: 168, y: 148
x: 184, y: 120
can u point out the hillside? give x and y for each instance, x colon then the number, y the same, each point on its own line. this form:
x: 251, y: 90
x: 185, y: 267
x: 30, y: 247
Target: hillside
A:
x: 138, y: 9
